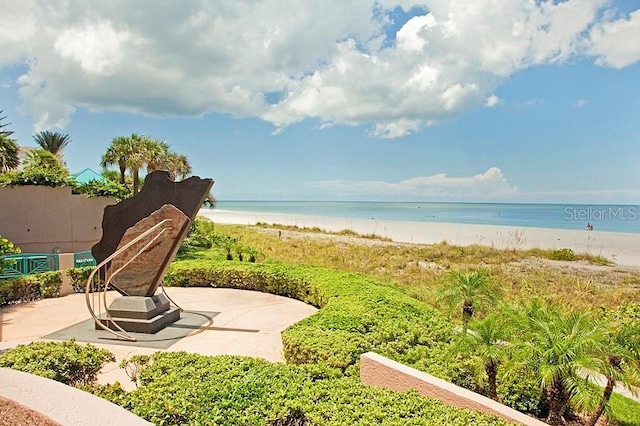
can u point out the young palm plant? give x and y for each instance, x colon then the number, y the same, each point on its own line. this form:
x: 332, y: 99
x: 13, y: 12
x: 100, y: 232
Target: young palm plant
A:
x: 486, y: 344
x: 621, y: 356
x: 253, y: 253
x: 466, y: 291
x: 229, y: 244
x: 563, y: 351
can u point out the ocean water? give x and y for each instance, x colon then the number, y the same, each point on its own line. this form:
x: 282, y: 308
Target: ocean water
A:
x: 610, y: 218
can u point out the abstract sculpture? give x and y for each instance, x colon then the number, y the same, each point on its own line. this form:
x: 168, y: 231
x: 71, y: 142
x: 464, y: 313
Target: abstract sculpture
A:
x: 137, y: 272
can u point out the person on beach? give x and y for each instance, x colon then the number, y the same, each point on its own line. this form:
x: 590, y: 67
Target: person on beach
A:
x: 589, y: 227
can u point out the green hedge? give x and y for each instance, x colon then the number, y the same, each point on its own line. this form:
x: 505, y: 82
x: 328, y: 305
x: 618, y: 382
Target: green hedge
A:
x: 30, y: 287
x: 358, y: 314
x: 66, y: 362
x: 78, y: 278
x: 191, y: 389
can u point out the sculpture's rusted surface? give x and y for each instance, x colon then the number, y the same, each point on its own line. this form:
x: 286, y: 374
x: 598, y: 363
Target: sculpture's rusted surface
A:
x: 138, y: 276
x: 158, y: 190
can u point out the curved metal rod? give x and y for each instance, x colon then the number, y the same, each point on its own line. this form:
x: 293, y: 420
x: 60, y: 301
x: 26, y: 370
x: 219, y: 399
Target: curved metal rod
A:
x: 102, y: 264
x: 107, y: 281
x: 170, y: 299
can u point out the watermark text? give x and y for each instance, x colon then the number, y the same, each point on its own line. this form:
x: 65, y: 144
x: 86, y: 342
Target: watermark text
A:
x: 601, y: 213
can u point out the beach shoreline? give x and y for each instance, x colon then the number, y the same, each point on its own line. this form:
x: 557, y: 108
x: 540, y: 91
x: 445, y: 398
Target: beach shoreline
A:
x: 621, y: 248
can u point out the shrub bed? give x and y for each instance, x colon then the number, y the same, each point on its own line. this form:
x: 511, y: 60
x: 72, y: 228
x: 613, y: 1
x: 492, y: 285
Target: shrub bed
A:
x: 79, y: 276
x: 358, y: 314
x: 181, y: 388
x: 66, y: 362
x: 30, y: 287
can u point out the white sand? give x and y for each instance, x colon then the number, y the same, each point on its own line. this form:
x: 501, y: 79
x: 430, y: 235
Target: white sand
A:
x: 621, y: 248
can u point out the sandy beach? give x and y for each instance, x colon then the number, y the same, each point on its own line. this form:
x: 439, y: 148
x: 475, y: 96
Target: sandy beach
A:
x: 622, y: 248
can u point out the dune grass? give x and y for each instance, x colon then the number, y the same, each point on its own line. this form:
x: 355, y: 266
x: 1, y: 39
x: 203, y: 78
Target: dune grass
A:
x: 420, y: 269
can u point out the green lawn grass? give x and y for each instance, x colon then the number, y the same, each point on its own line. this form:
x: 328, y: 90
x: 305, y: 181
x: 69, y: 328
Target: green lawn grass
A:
x: 625, y: 411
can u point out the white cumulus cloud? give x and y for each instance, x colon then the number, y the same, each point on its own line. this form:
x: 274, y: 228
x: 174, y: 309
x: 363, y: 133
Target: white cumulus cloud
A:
x: 98, y: 48
x: 333, y: 61
x: 617, y: 43
x: 492, y: 101
x: 490, y: 185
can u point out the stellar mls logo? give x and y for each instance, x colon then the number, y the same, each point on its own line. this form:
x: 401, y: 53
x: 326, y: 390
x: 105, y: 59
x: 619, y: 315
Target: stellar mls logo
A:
x: 601, y: 213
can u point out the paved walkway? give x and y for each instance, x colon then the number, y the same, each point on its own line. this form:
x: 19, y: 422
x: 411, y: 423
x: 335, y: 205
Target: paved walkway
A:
x: 249, y: 323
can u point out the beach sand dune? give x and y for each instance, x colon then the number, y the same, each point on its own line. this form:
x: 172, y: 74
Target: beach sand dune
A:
x: 621, y: 248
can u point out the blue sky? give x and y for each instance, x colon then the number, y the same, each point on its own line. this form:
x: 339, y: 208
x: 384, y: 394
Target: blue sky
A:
x: 479, y: 100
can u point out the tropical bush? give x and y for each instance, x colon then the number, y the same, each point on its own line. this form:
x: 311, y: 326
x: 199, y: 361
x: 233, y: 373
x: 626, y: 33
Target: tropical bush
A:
x: 106, y: 188
x: 562, y: 254
x: 199, y: 236
x: 79, y: 276
x: 190, y: 389
x: 30, y: 287
x: 66, y: 362
x: 33, y: 176
x: 41, y: 168
x: 358, y: 314
x: 6, y: 247
x: 203, y: 235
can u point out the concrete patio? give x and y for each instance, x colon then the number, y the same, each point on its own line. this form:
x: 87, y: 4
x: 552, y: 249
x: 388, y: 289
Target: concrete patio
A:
x: 238, y: 322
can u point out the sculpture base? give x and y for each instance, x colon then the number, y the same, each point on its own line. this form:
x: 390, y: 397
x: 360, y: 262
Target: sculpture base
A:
x: 139, y: 314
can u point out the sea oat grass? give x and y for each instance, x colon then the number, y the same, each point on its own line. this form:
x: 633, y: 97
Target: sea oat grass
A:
x: 419, y: 269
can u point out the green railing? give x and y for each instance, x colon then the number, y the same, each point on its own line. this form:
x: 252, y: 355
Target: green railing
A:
x: 18, y: 265
x: 83, y: 258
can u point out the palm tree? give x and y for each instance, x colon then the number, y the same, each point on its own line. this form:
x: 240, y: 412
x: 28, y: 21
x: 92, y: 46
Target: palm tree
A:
x: 178, y: 166
x: 486, y: 343
x: 117, y: 154
x: 621, y: 364
x: 139, y: 157
x: 158, y: 152
x: 468, y: 290
x: 54, y: 142
x: 138, y: 152
x: 9, y: 158
x: 128, y: 152
x: 161, y: 158
x: 562, y: 350
x: 3, y: 130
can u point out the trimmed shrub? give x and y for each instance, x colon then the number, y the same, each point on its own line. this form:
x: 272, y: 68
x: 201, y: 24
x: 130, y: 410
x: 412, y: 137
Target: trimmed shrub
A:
x: 105, y: 188
x: 190, y: 389
x: 49, y: 283
x: 358, y: 314
x: 66, y: 362
x: 16, y: 290
x: 79, y: 277
x: 30, y: 287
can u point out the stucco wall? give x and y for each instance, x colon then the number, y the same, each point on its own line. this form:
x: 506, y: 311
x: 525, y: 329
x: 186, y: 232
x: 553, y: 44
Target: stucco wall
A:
x: 61, y: 403
x: 378, y: 371
x: 40, y: 218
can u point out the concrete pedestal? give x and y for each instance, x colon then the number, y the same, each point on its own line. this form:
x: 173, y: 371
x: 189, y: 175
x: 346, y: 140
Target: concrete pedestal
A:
x: 139, y: 314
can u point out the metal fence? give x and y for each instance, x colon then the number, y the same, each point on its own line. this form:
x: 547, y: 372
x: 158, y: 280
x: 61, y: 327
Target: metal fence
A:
x: 18, y: 265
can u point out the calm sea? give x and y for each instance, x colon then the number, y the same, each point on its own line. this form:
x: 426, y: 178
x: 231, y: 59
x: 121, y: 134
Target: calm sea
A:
x: 611, y: 218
